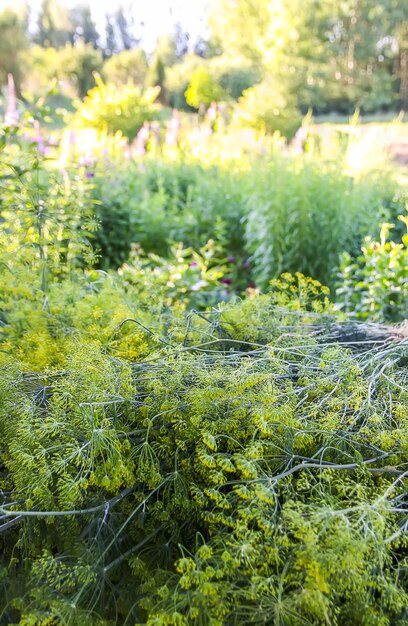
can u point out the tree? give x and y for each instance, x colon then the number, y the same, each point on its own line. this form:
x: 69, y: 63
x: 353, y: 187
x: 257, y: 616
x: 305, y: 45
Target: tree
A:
x: 283, y: 39
x: 54, y: 26
x: 203, y: 89
x: 155, y: 76
x: 205, y: 49
x: 235, y: 75
x: 181, y: 40
x: 128, y: 65
x: 124, y: 28
x: 177, y: 80
x: 118, y: 32
x: 164, y: 57
x: 76, y: 64
x: 166, y: 50
x: 402, y: 39
x: 110, y: 37
x: 268, y: 108
x: 79, y: 63
x: 83, y: 25
x: 344, y: 53
x: 13, y: 46
x: 244, y: 27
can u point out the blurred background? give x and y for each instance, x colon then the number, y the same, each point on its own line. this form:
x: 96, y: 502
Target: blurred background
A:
x: 328, y: 57
x: 251, y: 136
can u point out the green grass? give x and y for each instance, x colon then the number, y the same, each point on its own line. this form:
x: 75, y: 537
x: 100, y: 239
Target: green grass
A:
x: 374, y: 118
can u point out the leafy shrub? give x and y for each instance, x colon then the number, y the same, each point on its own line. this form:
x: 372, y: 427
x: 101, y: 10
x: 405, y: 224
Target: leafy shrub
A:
x: 266, y: 108
x: 203, y: 89
x: 233, y: 75
x: 76, y: 64
x: 177, y: 80
x: 375, y: 285
x: 192, y: 278
x: 109, y: 109
x: 126, y: 66
x: 13, y: 47
x: 79, y: 63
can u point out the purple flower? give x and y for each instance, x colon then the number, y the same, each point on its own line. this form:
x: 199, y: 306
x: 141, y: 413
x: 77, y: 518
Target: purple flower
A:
x: 247, y: 264
x: 231, y: 259
x: 226, y: 281
x: 89, y: 174
x: 193, y: 264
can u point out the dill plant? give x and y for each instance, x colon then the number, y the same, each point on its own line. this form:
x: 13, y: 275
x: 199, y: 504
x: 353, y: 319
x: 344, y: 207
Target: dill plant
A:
x: 242, y: 465
x: 50, y: 292
x: 251, y: 469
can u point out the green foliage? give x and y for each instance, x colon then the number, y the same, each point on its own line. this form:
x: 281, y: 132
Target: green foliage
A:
x: 73, y: 63
x: 109, y: 109
x: 83, y: 25
x: 54, y: 26
x: 161, y: 464
x: 126, y: 66
x: 178, y: 78
x: 79, y: 63
x: 187, y: 277
x: 46, y: 216
x: 302, y: 216
x: 237, y: 78
x: 45, y: 64
x: 375, y: 285
x: 267, y: 108
x: 123, y: 29
x: 167, y: 202
x: 288, y: 213
x: 221, y: 479
x: 332, y: 56
x: 233, y: 75
x: 329, y: 56
x: 13, y: 48
x: 203, y: 89
x: 156, y: 74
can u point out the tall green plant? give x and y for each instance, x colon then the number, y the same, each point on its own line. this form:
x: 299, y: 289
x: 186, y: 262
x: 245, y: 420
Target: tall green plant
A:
x: 302, y: 215
x: 46, y: 216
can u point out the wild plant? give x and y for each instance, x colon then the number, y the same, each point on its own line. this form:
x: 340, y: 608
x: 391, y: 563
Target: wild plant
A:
x: 302, y: 215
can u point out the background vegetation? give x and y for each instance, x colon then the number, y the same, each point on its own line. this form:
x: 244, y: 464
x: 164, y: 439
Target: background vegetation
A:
x: 203, y: 352
x: 318, y: 55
